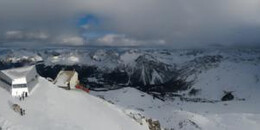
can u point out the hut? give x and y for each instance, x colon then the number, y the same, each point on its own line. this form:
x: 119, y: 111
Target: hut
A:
x: 67, y: 79
x: 19, y: 80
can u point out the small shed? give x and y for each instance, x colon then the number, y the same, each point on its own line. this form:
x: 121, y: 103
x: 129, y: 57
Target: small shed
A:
x: 19, y: 80
x: 67, y: 79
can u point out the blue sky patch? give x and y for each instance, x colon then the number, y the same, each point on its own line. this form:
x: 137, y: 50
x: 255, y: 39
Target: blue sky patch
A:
x: 88, y: 19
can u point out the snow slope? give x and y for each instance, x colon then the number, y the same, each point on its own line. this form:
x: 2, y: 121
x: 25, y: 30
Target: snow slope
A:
x: 52, y: 108
x: 240, y: 78
x: 179, y: 115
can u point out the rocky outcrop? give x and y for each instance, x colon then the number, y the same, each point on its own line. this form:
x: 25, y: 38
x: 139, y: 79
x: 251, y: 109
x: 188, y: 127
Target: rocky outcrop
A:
x: 149, y: 71
x: 153, y: 125
x: 228, y: 96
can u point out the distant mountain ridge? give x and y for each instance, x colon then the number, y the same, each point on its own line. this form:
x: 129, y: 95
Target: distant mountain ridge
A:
x: 149, y: 70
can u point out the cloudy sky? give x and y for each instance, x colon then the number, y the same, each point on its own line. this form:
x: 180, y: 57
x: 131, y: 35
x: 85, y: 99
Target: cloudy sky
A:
x: 175, y: 23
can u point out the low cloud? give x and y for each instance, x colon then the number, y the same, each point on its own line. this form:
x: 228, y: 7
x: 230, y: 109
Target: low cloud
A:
x: 123, y: 40
x: 71, y: 40
x: 24, y: 36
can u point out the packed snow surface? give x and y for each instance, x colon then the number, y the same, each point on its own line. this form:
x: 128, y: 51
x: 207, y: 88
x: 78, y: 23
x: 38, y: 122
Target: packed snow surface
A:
x: 53, y: 108
x: 180, y: 115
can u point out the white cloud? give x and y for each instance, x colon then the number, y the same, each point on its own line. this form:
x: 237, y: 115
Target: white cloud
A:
x: 14, y: 35
x: 71, y: 40
x: 86, y: 26
x: 123, y: 40
x: 23, y: 35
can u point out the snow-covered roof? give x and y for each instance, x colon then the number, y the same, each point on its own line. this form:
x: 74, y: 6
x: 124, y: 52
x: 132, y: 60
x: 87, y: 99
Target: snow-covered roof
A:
x: 16, y: 73
x: 64, y: 77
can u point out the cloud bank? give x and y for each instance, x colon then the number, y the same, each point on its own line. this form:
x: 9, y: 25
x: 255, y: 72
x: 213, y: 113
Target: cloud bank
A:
x: 176, y: 23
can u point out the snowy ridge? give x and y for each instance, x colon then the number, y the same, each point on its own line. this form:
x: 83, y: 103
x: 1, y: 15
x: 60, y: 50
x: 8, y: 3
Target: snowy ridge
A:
x: 53, y: 108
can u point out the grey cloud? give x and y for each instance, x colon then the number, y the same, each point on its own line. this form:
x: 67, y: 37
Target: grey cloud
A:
x: 20, y: 35
x: 123, y: 40
x: 70, y: 40
x: 177, y: 22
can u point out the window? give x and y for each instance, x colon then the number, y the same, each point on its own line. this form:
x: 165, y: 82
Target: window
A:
x: 19, y: 85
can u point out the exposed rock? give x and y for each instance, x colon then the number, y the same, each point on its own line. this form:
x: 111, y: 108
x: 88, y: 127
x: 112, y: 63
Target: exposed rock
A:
x: 139, y: 118
x: 153, y: 125
x: 227, y: 97
x: 194, y: 92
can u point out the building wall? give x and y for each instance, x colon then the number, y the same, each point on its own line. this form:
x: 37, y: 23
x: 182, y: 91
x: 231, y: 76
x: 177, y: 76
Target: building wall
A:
x: 32, y: 79
x: 31, y: 84
x: 74, y: 81
x: 19, y: 81
x: 16, y: 92
x: 58, y: 75
x: 31, y: 75
x: 8, y: 83
x: 5, y: 86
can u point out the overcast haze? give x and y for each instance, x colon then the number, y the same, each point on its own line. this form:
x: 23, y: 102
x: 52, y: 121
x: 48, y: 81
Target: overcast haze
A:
x: 175, y: 23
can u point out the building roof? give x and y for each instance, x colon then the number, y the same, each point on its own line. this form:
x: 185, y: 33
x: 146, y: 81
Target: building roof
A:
x: 16, y: 73
x: 64, y: 77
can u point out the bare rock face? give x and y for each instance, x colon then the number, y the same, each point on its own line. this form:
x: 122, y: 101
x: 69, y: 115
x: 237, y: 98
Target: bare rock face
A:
x: 227, y: 97
x: 148, y: 70
x: 153, y: 125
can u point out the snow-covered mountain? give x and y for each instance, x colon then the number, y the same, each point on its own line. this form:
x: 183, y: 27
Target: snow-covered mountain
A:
x: 182, y: 89
x: 53, y: 108
x: 148, y: 69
